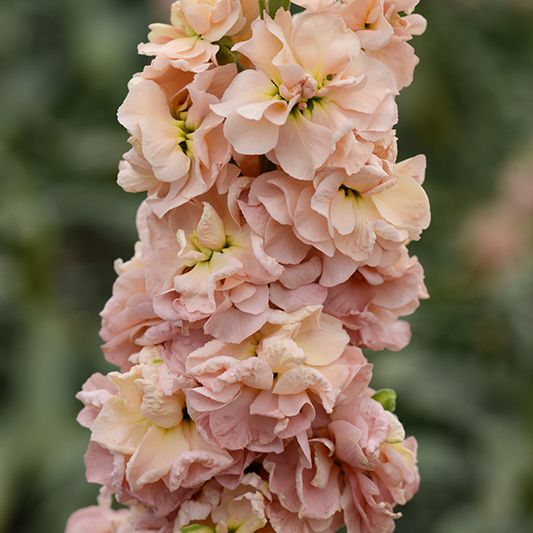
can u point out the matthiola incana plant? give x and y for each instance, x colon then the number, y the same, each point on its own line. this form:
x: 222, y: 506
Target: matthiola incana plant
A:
x: 273, y: 248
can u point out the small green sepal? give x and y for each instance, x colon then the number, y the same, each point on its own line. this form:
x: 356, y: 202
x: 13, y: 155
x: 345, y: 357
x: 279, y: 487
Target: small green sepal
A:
x: 197, y: 528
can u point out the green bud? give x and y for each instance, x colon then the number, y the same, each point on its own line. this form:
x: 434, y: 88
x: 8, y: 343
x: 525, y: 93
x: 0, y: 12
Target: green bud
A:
x: 387, y: 398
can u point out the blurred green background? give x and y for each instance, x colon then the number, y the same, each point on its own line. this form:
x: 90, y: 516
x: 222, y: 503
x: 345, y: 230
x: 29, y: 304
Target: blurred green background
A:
x: 465, y: 383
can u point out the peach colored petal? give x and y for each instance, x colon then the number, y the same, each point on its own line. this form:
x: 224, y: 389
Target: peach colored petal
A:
x: 251, y: 137
x: 232, y: 325
x: 301, y: 274
x: 312, y: 142
x: 292, y: 299
x: 327, y: 51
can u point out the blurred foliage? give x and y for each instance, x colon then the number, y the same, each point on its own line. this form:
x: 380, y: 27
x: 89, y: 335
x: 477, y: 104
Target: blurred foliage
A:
x: 464, y: 384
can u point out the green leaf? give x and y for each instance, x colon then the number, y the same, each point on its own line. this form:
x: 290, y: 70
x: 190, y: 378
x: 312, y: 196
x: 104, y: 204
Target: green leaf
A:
x: 387, y: 398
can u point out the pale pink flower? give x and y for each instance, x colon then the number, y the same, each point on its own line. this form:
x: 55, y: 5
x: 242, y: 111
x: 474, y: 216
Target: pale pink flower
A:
x: 218, y: 509
x: 179, y: 148
x: 128, y: 318
x: 312, y: 84
x: 140, y: 424
x: 372, y: 300
x: 109, y: 469
x: 379, y: 463
x: 189, y: 42
x: 364, y: 216
x: 298, y: 285
x: 399, y: 55
x: 263, y: 390
x: 196, y: 511
x: 203, y: 264
x: 95, y: 392
x: 354, y: 469
x: 308, y: 487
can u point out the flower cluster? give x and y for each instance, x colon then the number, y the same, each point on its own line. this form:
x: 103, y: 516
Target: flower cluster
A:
x: 272, y: 249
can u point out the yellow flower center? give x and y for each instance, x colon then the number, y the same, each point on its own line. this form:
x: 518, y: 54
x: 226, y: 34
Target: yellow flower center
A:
x: 185, y: 132
x: 350, y: 192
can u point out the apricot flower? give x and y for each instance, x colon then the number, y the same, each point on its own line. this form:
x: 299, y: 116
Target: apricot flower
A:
x: 189, y: 41
x: 202, y: 265
x: 219, y: 509
x: 353, y: 219
x: 383, y: 27
x: 312, y: 84
x: 133, y: 418
x: 179, y: 148
x: 263, y: 390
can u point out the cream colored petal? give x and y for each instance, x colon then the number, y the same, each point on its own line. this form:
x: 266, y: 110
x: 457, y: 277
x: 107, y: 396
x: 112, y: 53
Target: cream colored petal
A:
x: 211, y: 233
x: 155, y: 455
x: 118, y: 428
x: 405, y: 205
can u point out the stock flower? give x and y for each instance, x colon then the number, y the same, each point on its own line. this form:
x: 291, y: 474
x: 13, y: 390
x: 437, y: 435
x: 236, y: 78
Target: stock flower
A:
x: 399, y: 56
x: 354, y: 470
x: 189, y: 41
x: 405, y: 22
x: 142, y: 520
x: 380, y: 206
x: 362, y: 216
x: 263, y: 390
x: 365, y: 17
x: 383, y: 28
x: 307, y: 484
x: 218, y: 509
x: 312, y: 84
x: 202, y: 265
x: 128, y: 318
x: 372, y: 300
x: 133, y: 419
x: 378, y: 462
x: 297, y: 287
x: 179, y: 148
